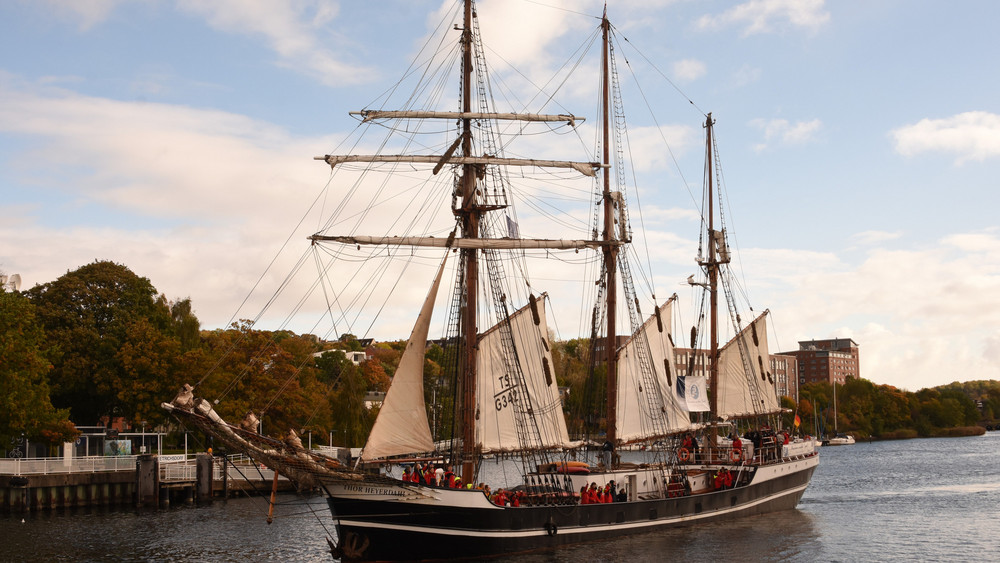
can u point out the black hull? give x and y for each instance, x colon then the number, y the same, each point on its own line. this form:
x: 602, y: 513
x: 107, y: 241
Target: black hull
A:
x: 386, y: 530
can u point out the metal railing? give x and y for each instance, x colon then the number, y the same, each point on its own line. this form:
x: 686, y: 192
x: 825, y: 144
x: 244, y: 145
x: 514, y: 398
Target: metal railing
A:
x: 239, y: 467
x: 50, y: 465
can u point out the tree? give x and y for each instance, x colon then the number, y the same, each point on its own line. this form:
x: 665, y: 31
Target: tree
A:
x: 88, y: 315
x: 350, y: 422
x: 271, y: 374
x: 149, y: 373
x: 375, y: 377
x: 25, y: 407
x: 186, y: 325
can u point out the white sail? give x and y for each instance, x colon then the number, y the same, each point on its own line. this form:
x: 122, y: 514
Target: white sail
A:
x: 647, y: 405
x: 401, y: 426
x: 746, y: 384
x: 500, y: 397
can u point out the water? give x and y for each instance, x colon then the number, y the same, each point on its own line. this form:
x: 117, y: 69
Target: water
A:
x: 912, y: 500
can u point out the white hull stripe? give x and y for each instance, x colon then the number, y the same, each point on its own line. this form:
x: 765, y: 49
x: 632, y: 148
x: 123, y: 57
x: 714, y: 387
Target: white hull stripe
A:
x: 570, y: 530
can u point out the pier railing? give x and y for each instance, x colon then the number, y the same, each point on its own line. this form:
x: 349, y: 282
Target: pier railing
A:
x: 172, y: 468
x: 50, y: 465
x: 238, y: 467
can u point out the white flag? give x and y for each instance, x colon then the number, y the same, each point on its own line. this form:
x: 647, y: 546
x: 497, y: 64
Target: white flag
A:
x: 693, y: 393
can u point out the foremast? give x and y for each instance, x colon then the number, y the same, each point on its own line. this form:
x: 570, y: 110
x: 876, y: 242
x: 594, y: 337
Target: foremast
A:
x: 712, y: 266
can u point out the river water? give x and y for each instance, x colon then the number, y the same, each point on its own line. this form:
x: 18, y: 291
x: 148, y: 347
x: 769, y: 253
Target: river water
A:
x: 912, y: 500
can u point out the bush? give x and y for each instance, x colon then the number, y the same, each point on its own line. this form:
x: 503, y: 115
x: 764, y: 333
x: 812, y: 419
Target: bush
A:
x: 901, y: 434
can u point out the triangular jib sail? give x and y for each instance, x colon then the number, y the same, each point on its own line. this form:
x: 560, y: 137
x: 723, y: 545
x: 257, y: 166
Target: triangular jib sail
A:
x: 401, y: 426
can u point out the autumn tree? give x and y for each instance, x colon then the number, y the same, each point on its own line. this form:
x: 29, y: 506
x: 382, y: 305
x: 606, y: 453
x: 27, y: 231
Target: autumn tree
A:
x: 269, y: 373
x: 375, y: 377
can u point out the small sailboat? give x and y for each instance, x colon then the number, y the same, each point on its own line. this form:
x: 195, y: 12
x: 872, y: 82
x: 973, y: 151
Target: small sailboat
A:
x: 507, y: 404
x: 838, y: 438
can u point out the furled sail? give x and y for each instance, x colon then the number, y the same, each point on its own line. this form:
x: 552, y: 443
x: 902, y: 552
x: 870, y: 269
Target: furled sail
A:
x: 401, y: 426
x: 506, y: 419
x: 585, y: 168
x: 478, y: 243
x: 647, y: 406
x: 371, y: 114
x: 746, y: 384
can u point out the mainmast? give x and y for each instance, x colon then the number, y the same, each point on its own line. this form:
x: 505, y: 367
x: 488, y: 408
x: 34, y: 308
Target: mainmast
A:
x: 470, y: 216
x: 610, y: 251
x: 712, y: 265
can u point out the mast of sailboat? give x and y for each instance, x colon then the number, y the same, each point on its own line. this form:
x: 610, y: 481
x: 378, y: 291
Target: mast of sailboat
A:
x: 470, y: 216
x: 712, y: 266
x: 835, y: 407
x: 610, y: 251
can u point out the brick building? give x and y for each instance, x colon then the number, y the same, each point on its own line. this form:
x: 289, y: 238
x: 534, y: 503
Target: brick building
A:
x: 832, y: 360
x: 786, y: 375
x: 783, y: 367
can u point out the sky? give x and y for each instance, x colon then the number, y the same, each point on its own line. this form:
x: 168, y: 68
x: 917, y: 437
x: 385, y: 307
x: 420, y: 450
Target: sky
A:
x: 861, y: 143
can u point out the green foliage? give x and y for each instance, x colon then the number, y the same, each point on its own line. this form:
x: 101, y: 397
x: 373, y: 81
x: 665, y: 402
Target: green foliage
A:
x: 867, y: 409
x: 89, y: 315
x: 101, y: 341
x: 25, y: 406
x: 350, y: 420
x: 351, y: 342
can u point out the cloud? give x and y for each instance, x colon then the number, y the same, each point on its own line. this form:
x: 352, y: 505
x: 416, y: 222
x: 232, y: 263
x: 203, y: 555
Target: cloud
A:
x: 973, y: 135
x: 689, y: 70
x: 765, y: 16
x: 87, y: 13
x: 294, y: 29
x: 919, y: 315
x: 746, y: 74
x: 875, y: 237
x: 797, y: 133
x: 297, y: 30
x: 212, y: 192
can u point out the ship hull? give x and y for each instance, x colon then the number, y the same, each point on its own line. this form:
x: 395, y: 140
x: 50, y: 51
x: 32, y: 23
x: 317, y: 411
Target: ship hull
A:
x: 407, y: 522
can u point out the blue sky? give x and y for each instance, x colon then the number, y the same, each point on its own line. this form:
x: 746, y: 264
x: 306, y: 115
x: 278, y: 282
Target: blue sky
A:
x: 861, y: 145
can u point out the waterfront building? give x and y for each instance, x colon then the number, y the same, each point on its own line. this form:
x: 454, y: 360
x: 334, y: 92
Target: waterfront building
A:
x: 784, y: 368
x: 834, y: 360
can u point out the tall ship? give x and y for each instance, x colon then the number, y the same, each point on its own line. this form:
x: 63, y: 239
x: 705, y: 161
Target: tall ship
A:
x: 678, y: 442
